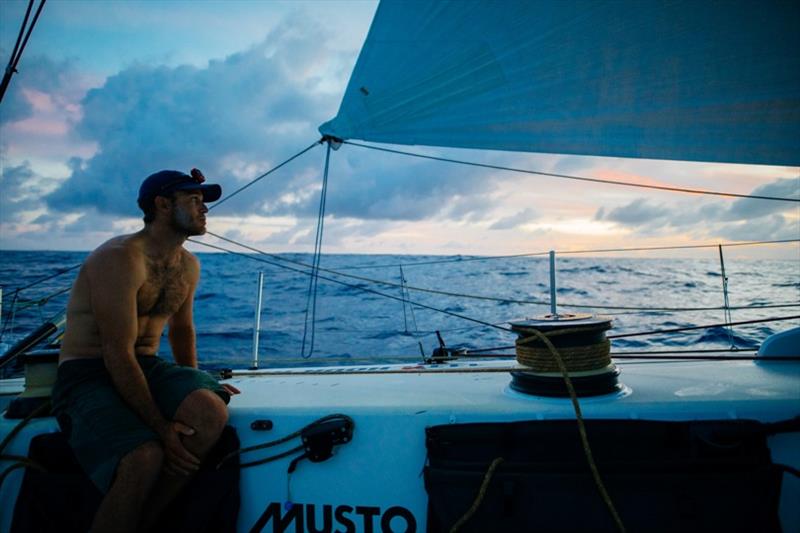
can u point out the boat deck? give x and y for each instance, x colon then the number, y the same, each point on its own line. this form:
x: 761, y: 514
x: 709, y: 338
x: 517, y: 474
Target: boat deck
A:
x: 392, y: 405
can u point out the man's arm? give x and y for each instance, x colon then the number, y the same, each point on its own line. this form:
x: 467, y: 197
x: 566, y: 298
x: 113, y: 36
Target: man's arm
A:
x: 181, y: 324
x: 115, y: 276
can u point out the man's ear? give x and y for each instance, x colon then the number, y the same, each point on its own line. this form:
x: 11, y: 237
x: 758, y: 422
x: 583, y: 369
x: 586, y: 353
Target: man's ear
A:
x: 162, y: 203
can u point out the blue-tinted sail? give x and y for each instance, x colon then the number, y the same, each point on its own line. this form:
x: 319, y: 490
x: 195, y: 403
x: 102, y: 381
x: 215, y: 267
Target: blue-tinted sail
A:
x: 689, y: 80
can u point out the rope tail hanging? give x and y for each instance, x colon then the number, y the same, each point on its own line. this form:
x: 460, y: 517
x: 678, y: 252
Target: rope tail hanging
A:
x: 313, y: 282
x: 587, y: 450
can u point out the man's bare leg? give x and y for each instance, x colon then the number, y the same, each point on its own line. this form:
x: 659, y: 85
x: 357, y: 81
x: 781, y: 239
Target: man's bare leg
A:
x: 204, y: 411
x: 137, y: 472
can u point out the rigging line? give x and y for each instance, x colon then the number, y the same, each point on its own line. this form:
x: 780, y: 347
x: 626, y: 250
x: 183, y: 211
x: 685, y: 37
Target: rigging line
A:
x: 408, y: 297
x: 461, y: 259
x: 688, y: 357
x: 654, y: 332
x: 688, y: 328
x: 313, y: 283
x: 357, y: 287
x: 264, y: 175
x: 17, y: 53
x: 676, y: 247
x: 10, y: 67
x: 28, y: 35
x: 578, y: 178
x: 497, y: 348
x: 24, y: 304
x: 488, y: 298
x: 403, y: 294
x: 615, y: 354
x: 42, y: 280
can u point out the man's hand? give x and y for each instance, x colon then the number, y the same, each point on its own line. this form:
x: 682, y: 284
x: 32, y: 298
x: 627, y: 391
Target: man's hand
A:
x: 178, y: 460
x: 230, y: 389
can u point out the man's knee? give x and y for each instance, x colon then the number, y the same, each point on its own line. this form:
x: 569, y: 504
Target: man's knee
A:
x: 144, y: 462
x: 203, y: 409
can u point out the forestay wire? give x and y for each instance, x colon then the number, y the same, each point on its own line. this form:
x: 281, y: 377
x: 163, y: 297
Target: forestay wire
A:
x: 313, y: 283
x: 264, y: 175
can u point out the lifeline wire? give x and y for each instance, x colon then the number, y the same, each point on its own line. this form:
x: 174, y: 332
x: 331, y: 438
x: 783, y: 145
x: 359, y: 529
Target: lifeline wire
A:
x: 464, y: 317
x: 673, y: 330
x: 579, y: 178
x: 489, y: 298
x: 461, y: 259
x: 357, y: 287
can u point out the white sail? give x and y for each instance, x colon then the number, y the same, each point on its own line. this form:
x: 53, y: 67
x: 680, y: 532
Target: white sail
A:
x: 689, y: 80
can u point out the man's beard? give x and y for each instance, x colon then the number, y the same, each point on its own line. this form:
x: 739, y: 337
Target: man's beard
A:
x: 182, y: 222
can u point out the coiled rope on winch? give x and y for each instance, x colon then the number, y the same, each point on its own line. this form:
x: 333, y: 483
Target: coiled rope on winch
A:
x: 577, y: 358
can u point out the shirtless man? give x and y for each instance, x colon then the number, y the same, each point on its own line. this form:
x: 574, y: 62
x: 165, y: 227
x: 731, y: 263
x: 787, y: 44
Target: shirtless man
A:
x: 140, y: 426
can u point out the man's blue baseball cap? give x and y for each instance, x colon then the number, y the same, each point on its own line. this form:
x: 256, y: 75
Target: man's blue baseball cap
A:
x: 166, y: 181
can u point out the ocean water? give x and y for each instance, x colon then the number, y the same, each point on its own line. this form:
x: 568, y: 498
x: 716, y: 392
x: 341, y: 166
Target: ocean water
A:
x: 354, y: 326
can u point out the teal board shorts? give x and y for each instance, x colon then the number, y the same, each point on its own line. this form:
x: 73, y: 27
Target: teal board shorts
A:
x: 100, y: 427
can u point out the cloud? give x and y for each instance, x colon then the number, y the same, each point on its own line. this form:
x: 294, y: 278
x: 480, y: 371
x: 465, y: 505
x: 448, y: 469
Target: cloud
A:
x: 639, y: 211
x: 773, y: 227
x: 240, y: 116
x: 746, y: 208
x: 250, y: 109
x: 515, y: 220
x: 741, y: 220
x: 21, y: 191
x: 40, y: 83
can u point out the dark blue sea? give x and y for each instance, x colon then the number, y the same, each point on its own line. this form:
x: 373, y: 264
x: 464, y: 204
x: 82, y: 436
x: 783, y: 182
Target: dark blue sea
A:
x: 366, y: 312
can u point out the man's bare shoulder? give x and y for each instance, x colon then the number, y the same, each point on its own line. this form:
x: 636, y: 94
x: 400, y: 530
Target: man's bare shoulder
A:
x: 191, y: 264
x: 123, y: 252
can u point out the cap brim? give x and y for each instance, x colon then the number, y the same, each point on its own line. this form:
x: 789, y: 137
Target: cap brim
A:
x: 211, y: 192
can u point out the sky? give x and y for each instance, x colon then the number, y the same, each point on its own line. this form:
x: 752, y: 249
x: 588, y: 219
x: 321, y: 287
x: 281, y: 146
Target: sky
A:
x: 109, y: 92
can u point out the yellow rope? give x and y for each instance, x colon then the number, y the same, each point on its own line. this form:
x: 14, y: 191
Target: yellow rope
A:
x: 576, y: 358
x: 537, y: 355
x: 479, y: 498
x: 581, y: 427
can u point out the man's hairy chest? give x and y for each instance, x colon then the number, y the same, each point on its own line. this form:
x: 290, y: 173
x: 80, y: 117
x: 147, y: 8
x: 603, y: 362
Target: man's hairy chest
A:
x: 165, y: 289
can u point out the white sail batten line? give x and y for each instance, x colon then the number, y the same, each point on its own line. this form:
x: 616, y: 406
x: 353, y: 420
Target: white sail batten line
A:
x: 577, y: 178
x: 264, y: 175
x: 545, y: 303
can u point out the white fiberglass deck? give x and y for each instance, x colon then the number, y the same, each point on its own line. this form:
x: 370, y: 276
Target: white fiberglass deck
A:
x: 376, y: 479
